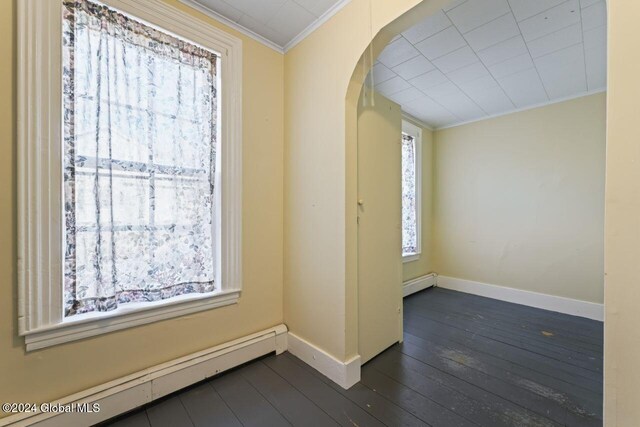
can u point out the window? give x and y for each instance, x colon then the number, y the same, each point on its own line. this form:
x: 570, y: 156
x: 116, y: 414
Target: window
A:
x: 411, y: 189
x: 132, y: 142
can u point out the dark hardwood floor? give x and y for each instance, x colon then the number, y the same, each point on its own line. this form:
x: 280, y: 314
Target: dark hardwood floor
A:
x: 465, y: 361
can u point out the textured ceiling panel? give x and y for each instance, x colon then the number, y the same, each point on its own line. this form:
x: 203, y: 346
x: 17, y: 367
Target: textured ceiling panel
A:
x: 479, y: 58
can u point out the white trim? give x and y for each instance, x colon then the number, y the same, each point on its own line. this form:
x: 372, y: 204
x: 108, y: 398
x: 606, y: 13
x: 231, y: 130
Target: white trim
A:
x: 564, y: 305
x: 418, y: 284
x: 114, y: 321
x: 232, y: 24
x: 40, y: 173
x: 530, y: 107
x: 316, y: 24
x: 132, y: 391
x: 345, y: 374
x: 410, y: 258
x: 416, y: 132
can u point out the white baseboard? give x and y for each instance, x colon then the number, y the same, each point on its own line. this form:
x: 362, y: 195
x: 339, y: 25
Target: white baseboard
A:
x: 564, y: 305
x: 415, y: 285
x: 129, y: 392
x: 345, y: 374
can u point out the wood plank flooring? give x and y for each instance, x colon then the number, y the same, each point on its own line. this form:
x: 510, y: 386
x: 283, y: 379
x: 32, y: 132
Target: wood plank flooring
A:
x: 465, y: 361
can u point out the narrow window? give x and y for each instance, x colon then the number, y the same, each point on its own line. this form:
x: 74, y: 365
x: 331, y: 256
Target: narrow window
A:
x: 411, y: 191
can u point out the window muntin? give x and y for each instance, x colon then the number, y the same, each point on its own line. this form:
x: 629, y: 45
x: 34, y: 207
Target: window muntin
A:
x: 140, y: 118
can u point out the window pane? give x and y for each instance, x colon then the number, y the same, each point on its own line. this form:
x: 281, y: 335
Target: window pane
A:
x: 140, y: 128
x: 409, y: 211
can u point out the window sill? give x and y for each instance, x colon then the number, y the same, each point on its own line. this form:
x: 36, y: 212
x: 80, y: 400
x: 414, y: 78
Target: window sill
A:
x: 410, y: 257
x: 91, y: 324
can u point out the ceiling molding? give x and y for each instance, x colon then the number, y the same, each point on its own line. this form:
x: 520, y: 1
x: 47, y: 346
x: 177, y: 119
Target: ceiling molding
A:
x: 229, y: 23
x: 316, y: 24
x: 263, y: 40
x: 520, y: 110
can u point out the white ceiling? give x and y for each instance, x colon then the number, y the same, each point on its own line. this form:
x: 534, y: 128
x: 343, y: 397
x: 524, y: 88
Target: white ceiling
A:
x: 480, y: 58
x: 277, y: 22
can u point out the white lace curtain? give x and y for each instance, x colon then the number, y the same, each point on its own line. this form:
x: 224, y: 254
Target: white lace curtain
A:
x: 409, y: 212
x: 139, y: 161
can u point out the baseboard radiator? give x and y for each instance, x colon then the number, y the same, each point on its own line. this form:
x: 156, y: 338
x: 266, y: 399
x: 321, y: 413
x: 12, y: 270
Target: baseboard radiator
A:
x: 418, y: 284
x: 132, y: 391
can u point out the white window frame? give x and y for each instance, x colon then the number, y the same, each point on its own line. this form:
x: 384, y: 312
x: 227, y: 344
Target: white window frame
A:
x: 40, y: 215
x: 416, y: 132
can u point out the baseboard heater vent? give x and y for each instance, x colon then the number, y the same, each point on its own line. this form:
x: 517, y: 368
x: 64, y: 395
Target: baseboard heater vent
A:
x: 132, y: 391
x: 415, y: 285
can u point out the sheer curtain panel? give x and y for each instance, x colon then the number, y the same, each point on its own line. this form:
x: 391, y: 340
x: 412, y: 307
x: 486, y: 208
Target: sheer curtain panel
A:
x: 409, y: 196
x: 140, y: 118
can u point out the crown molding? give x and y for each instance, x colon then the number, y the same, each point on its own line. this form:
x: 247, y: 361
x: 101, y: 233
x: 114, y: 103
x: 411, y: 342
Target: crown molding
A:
x: 316, y: 24
x: 232, y: 24
x: 520, y: 110
x: 194, y: 4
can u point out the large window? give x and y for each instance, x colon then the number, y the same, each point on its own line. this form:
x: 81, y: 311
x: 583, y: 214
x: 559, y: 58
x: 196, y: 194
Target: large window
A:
x: 411, y: 191
x: 139, y: 159
x: 145, y: 169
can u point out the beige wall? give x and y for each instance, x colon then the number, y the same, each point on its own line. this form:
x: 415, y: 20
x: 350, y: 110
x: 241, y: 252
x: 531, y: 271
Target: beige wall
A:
x: 320, y: 293
x: 43, y: 375
x: 425, y: 263
x: 622, y: 219
x: 519, y: 200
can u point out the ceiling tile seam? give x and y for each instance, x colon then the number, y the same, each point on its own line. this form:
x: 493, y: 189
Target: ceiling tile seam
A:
x: 510, y: 74
x: 229, y: 5
x: 448, y: 53
x: 302, y: 6
x: 415, y: 77
x: 532, y: 59
x: 535, y: 66
x: 558, y: 50
x: 274, y: 15
x: 410, y: 59
x: 454, y: 83
x: 407, y: 60
x: 282, y: 6
x: 439, y: 104
x: 453, y: 8
x: 497, y: 82
x: 481, y: 61
x: 503, y: 41
x: 265, y: 23
x: 459, y: 68
x: 488, y: 47
x: 584, y: 49
x: 428, y: 37
x: 532, y: 40
x: 557, y: 31
x: 544, y: 11
x: 485, y: 23
x: 443, y: 107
